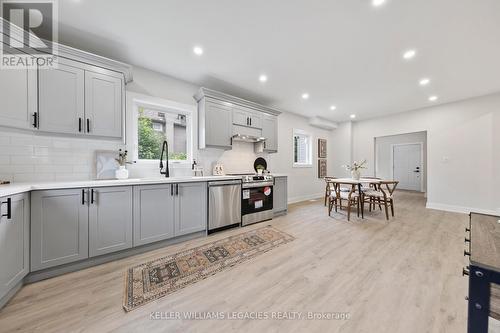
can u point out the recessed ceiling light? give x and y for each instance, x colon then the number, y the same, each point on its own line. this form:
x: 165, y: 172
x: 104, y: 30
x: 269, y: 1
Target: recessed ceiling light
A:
x: 333, y: 107
x: 433, y: 98
x: 353, y: 116
x: 263, y: 78
x: 198, y: 50
x: 424, y: 81
x: 378, y: 3
x: 305, y: 96
x: 409, y: 54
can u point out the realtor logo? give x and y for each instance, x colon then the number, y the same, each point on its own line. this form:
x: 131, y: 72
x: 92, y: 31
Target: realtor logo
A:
x: 29, y: 28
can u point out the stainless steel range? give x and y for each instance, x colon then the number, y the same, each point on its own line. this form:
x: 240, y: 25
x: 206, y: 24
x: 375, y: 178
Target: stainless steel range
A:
x: 256, y: 198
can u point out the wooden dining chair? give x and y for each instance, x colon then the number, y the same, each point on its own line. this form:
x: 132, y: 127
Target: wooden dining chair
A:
x: 328, y: 188
x: 352, y: 197
x: 379, y: 195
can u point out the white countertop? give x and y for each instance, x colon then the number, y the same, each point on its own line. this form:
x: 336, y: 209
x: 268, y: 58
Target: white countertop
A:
x: 14, y: 188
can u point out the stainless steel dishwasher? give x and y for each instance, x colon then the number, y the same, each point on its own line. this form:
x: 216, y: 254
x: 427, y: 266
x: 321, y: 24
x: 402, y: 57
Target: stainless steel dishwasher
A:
x: 224, y: 204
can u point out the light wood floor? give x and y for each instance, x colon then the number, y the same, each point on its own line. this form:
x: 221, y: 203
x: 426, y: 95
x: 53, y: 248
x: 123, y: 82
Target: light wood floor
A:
x: 398, y: 276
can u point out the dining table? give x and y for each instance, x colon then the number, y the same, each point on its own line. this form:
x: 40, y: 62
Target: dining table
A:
x: 359, y: 183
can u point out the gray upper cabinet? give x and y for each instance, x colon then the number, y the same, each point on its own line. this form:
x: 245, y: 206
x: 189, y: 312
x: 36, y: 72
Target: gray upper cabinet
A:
x: 18, y: 98
x: 280, y: 197
x: 215, y: 124
x: 154, y: 216
x: 221, y: 115
x: 191, y: 208
x: 246, y: 117
x: 270, y: 132
x: 61, y: 98
x: 59, y: 227
x: 14, y: 240
x: 103, y: 104
x: 110, y: 219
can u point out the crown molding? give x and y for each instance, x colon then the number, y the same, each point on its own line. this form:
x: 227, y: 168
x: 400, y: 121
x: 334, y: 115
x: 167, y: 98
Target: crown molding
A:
x: 205, y: 92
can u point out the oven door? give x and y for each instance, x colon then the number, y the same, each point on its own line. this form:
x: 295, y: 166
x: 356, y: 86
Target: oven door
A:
x: 258, y: 201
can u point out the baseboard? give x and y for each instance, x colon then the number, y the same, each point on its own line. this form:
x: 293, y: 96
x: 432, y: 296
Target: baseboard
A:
x: 305, y: 197
x: 7, y: 297
x: 459, y: 209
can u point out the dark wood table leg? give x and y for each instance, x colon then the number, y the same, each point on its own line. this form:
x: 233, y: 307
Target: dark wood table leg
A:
x: 362, y: 198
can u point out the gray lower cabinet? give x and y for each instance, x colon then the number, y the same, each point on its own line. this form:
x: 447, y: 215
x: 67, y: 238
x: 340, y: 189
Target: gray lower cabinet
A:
x: 154, y: 216
x: 190, y: 208
x: 280, y: 197
x: 110, y: 219
x: 166, y: 211
x: 59, y: 227
x: 14, y: 240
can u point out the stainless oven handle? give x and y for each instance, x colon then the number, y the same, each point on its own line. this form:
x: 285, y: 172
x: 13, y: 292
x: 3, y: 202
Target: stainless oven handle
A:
x: 253, y: 185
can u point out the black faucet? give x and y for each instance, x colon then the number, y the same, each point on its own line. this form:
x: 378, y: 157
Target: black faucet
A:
x: 163, y: 150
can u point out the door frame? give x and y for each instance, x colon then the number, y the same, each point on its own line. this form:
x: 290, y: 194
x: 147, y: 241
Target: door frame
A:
x: 421, y: 144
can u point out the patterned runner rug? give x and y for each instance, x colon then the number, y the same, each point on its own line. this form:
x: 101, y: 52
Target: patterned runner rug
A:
x: 152, y: 280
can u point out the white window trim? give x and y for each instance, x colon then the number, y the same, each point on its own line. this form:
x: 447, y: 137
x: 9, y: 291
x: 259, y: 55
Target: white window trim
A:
x: 134, y: 100
x: 302, y: 165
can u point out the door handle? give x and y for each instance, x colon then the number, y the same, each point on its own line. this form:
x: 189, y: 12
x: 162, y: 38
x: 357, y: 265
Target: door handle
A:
x: 80, y: 125
x: 176, y: 189
x: 172, y: 189
x: 92, y: 196
x: 250, y: 121
x: 88, y: 125
x: 83, y: 196
x: 9, y: 208
x: 35, y: 119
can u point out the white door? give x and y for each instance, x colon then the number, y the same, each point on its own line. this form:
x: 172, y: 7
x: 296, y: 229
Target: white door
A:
x: 407, y: 166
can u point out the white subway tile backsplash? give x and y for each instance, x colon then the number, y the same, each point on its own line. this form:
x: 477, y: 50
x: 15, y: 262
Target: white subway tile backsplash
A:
x: 4, y: 159
x: 34, y: 177
x: 41, y: 151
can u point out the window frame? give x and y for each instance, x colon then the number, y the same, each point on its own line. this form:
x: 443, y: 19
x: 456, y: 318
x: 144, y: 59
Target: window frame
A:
x: 135, y: 101
x: 309, y: 163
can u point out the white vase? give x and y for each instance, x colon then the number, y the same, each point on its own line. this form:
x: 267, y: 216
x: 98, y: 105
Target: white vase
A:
x: 121, y: 172
x: 355, y: 174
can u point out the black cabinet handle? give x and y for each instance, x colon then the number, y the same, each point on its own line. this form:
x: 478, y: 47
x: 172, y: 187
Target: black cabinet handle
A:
x: 250, y: 121
x: 35, y: 119
x: 9, y: 208
x: 467, y: 240
x: 88, y: 125
x: 92, y: 196
x: 83, y: 196
x: 172, y: 189
x: 466, y: 253
x: 176, y: 189
x: 80, y: 125
x: 467, y: 229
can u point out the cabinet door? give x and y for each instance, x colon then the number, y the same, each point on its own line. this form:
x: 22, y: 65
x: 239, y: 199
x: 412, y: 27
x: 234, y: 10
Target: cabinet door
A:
x: 255, y: 120
x: 59, y: 227
x: 241, y: 117
x: 280, y: 198
x: 61, y: 98
x: 218, y: 125
x: 153, y: 213
x: 14, y: 241
x: 270, y: 132
x: 110, y: 219
x: 103, y: 105
x: 191, y: 208
x: 18, y: 97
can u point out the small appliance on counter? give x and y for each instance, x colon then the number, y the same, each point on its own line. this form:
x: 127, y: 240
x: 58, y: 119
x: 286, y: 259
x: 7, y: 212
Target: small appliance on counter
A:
x: 218, y: 170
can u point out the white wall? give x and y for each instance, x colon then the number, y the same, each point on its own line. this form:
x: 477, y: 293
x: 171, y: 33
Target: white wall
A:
x: 383, y: 153
x: 463, y: 147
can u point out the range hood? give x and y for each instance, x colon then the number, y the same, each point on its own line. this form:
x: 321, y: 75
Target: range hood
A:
x: 247, y: 138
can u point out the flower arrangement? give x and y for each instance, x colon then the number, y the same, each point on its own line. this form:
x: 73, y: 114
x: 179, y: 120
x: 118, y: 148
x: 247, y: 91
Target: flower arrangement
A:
x: 354, y: 168
x: 122, y: 157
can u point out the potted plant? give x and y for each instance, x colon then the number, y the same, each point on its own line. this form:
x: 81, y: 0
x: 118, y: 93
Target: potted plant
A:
x: 355, y: 168
x: 121, y: 172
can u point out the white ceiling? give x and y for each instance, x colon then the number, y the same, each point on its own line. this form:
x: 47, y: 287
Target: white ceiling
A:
x: 342, y: 52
